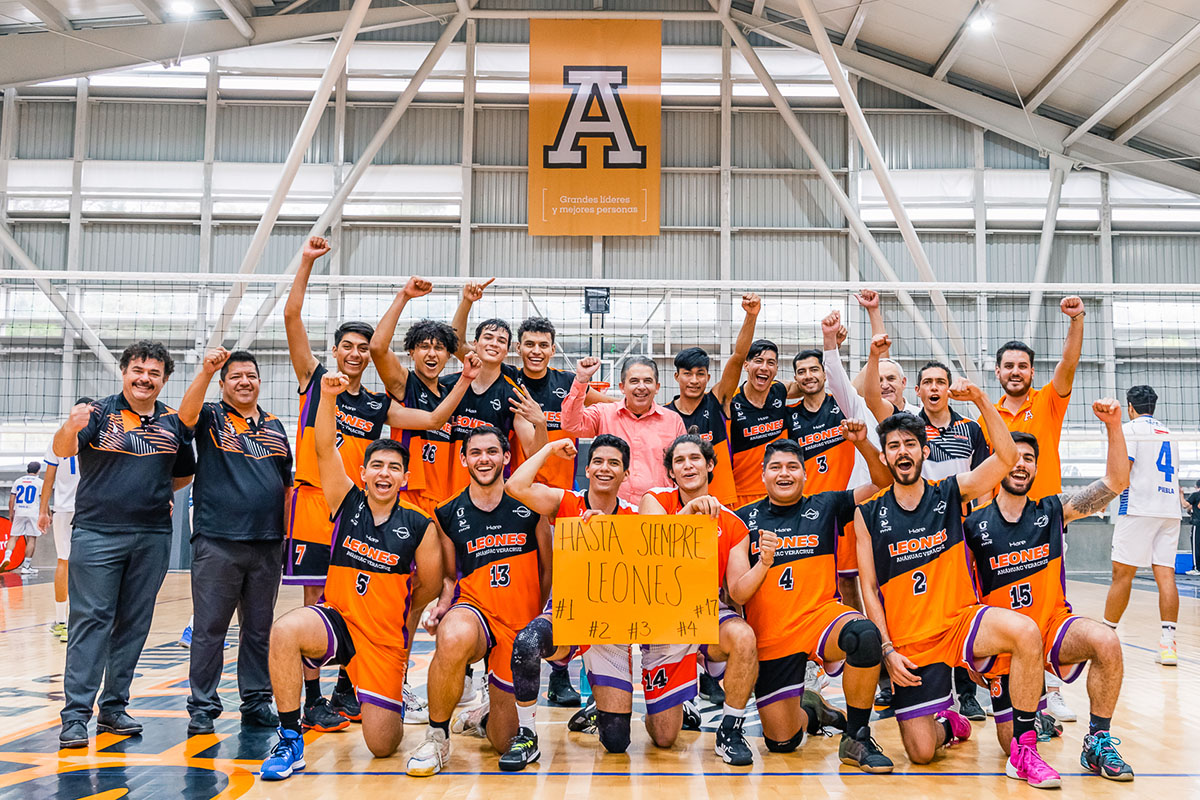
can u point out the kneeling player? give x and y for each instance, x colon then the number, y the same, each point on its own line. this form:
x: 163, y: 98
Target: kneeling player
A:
x: 608, y: 463
x: 1018, y: 549
x: 785, y: 575
x: 918, y: 589
x: 490, y: 541
x: 378, y: 539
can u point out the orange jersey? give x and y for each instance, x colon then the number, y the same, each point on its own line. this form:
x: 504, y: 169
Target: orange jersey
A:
x: 709, y: 421
x: 751, y: 429
x: 803, y: 577
x: 360, y: 420
x: 828, y: 457
x: 575, y: 503
x: 921, y: 563
x: 1020, y: 564
x: 476, y: 410
x: 496, y: 555
x: 730, y: 529
x: 549, y: 391
x: 429, y: 452
x: 371, y: 568
x: 1041, y: 414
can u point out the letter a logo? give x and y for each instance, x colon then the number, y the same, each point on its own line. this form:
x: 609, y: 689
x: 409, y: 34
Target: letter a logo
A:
x: 594, y: 111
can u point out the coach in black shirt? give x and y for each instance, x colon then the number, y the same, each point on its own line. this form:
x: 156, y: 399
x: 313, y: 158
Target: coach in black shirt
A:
x: 243, y: 469
x: 133, y: 455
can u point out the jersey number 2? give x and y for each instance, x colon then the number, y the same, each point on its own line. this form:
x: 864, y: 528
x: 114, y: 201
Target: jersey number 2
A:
x: 1164, y: 462
x: 499, y: 573
x: 919, y: 583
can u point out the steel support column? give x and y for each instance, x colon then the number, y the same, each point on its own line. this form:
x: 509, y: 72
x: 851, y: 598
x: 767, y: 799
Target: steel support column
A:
x: 466, y: 204
x: 1058, y: 171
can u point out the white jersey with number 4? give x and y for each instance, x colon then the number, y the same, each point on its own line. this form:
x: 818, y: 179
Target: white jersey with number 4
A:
x: 1153, y: 477
x: 27, y: 495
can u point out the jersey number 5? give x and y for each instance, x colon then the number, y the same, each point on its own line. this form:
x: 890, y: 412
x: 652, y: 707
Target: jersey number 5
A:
x: 499, y: 574
x: 362, y: 582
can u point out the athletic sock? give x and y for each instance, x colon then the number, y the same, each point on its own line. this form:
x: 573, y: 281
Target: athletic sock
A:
x: 1023, y: 722
x: 60, y: 612
x: 1110, y: 624
x: 526, y: 715
x: 948, y: 729
x: 1097, y: 724
x: 344, y: 685
x: 733, y: 717
x: 857, y: 719
x: 312, y: 691
x: 556, y: 666
x: 444, y: 727
x: 1168, y: 633
x: 290, y: 720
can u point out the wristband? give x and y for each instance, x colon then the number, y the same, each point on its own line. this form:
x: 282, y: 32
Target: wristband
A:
x: 1080, y: 314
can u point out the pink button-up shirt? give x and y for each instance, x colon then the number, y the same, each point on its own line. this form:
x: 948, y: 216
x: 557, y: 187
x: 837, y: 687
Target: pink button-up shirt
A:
x: 648, y: 436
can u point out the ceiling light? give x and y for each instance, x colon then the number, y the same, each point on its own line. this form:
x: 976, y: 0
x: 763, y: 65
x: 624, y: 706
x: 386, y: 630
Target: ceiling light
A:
x: 182, y: 8
x: 981, y: 23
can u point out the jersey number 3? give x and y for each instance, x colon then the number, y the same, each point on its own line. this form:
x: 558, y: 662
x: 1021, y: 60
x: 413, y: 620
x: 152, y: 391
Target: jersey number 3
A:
x: 499, y: 574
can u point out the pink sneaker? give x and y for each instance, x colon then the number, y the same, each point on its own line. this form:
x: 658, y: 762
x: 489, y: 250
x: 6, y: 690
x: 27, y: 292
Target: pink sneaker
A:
x: 1024, y: 764
x: 960, y: 726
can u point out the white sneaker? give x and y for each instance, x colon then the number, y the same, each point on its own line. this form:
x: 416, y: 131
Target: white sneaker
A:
x: 815, y: 677
x: 416, y: 709
x: 430, y: 757
x: 1168, y: 655
x: 1057, y: 707
x: 28, y: 570
x: 469, y: 694
x: 471, y: 721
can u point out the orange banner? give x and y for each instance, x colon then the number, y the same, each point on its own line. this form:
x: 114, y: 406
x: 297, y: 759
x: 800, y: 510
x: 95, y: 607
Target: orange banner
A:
x: 595, y: 127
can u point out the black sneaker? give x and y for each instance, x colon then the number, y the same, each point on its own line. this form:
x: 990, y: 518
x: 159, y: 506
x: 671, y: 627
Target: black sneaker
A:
x: 121, y: 724
x: 883, y: 702
x: 200, y: 723
x: 346, y: 704
x: 584, y: 720
x: 522, y: 751
x: 820, y: 713
x: 710, y: 689
x: 732, y: 746
x: 691, y: 716
x: 321, y: 717
x: 260, y: 717
x: 561, y: 692
x: 1047, y: 727
x: 73, y: 734
x: 863, y: 752
x: 968, y: 706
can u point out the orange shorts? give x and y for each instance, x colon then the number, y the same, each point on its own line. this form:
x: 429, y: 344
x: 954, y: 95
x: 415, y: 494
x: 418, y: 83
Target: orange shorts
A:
x: 955, y: 645
x: 847, y: 552
x: 310, y: 536
x: 809, y: 636
x: 499, y: 647
x: 1053, y: 633
x: 376, y: 670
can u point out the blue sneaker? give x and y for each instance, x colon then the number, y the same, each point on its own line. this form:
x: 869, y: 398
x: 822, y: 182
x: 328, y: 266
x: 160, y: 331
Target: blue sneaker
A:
x: 286, y: 757
x: 185, y: 638
x: 1101, y: 757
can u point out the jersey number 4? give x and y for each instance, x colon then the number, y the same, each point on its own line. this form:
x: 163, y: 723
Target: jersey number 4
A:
x: 1021, y: 595
x: 1164, y: 462
x: 499, y: 574
x: 785, y: 579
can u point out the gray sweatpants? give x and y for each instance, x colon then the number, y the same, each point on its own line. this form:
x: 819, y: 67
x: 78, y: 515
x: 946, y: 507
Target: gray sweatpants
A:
x: 112, y: 584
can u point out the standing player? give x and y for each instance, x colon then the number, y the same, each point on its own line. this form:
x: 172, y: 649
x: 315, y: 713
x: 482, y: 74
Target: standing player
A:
x: 920, y: 593
x: 1017, y: 545
x: 490, y: 543
x: 62, y: 476
x: 703, y: 409
x: 361, y: 415
x: 385, y: 557
x: 608, y: 463
x: 23, y: 505
x: 758, y: 414
x: 785, y: 575
x: 669, y: 675
x: 1147, y: 528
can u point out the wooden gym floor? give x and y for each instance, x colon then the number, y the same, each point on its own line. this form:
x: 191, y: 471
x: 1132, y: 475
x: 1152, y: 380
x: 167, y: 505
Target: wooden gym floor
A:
x: 1154, y: 721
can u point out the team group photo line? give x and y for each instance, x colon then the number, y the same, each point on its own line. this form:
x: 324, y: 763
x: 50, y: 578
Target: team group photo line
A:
x: 800, y: 530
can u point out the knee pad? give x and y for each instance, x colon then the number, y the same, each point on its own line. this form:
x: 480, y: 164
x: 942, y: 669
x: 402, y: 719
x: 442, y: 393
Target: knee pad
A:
x: 532, y: 644
x: 614, y: 730
x: 787, y: 745
x: 861, y: 642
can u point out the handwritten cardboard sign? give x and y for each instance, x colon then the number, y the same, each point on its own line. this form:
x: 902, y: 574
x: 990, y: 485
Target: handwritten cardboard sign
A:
x: 633, y: 579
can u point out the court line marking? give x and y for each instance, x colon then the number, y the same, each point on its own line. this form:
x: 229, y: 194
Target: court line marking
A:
x: 789, y: 774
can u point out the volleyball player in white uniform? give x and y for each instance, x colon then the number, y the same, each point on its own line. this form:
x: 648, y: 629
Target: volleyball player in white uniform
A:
x: 62, y: 479
x: 23, y: 510
x: 1147, y: 528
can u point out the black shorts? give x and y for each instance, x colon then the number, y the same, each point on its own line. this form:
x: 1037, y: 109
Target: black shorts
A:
x: 340, y: 645
x: 1002, y: 704
x: 306, y: 563
x: 780, y: 679
x: 935, y: 694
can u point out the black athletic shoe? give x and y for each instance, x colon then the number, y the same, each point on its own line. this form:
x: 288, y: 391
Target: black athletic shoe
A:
x: 732, y: 746
x: 561, y: 692
x: 584, y: 720
x: 200, y: 724
x: 73, y: 735
x: 346, y: 704
x: 820, y: 713
x: 691, y: 716
x: 883, y: 703
x: 121, y: 724
x: 522, y: 751
x: 1047, y: 727
x: 968, y: 706
x: 260, y: 717
x: 321, y: 717
x: 863, y: 752
x: 710, y: 689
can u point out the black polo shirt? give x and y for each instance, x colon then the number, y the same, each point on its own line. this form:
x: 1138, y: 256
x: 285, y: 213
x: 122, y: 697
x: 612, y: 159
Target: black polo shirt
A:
x: 243, y: 469
x: 126, y: 463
